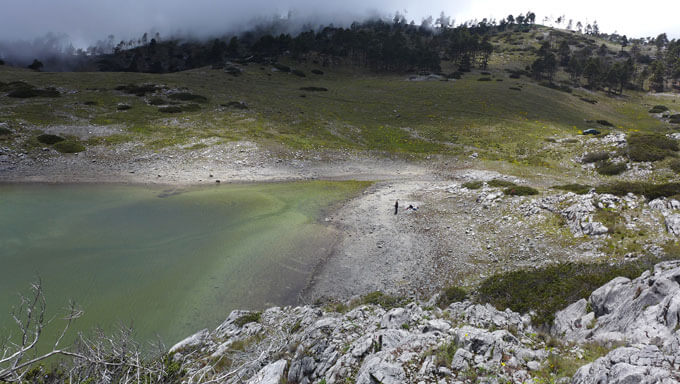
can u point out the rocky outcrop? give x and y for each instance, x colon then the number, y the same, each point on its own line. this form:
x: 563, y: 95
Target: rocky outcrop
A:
x: 668, y: 209
x: 634, y: 323
x: 367, y: 344
x: 643, y: 313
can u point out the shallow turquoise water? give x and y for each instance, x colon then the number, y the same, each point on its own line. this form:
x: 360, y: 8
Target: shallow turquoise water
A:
x: 167, y: 262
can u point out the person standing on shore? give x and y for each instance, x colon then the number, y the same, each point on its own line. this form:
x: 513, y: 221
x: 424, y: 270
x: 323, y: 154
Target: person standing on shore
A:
x: 396, y: 207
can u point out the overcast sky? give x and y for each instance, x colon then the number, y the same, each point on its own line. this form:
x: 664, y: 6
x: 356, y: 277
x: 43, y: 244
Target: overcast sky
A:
x: 86, y: 21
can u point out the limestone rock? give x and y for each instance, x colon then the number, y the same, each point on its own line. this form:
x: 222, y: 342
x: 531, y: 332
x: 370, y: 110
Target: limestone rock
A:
x: 271, y: 374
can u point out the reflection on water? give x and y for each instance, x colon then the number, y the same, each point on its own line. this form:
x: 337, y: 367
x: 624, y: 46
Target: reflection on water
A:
x: 167, y: 261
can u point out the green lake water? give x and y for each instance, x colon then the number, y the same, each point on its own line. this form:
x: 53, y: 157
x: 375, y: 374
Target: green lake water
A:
x: 167, y: 262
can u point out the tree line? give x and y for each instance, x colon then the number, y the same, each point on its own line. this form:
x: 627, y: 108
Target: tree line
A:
x: 379, y: 45
x: 601, y: 68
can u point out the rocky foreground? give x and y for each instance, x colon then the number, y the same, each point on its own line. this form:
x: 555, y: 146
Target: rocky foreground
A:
x: 625, y: 332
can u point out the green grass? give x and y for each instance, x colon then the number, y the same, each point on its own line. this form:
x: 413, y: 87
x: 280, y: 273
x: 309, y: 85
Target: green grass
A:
x: 387, y: 302
x: 252, y: 317
x: 359, y: 111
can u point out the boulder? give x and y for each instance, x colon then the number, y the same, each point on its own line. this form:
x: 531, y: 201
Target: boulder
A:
x: 271, y: 374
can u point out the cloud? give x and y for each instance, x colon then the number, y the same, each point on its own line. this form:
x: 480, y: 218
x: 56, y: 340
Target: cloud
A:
x: 86, y: 21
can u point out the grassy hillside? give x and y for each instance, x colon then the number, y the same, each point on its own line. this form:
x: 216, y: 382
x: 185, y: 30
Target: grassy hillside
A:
x: 490, y: 113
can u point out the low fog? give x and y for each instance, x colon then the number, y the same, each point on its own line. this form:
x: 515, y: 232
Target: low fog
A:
x: 45, y: 28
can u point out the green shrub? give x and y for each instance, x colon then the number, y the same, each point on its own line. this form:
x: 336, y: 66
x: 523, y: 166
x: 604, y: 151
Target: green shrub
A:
x: 314, y: 89
x: 170, y: 109
x: 452, y: 295
x: 185, y: 96
x: 587, y: 100
x: 298, y: 73
x: 281, y: 67
x: 658, y: 109
x: 91, y: 103
x: 138, y: 90
x: 675, y: 165
x: 516, y: 89
x: 49, y: 139
x: 594, y: 157
x: 69, y: 146
x: 455, y: 75
x: 14, y: 85
x: 25, y: 93
x: 236, y: 104
x: 520, y: 190
x: 604, y: 123
x: 498, y: 183
x: 157, y: 101
x: 579, y: 189
x: 191, y: 107
x: 252, y: 317
x: 675, y: 119
x: 317, y: 72
x: 610, y: 169
x: 5, y: 131
x: 650, y: 191
x: 549, y: 289
x: 123, y: 107
x: 650, y: 147
x: 484, y: 79
x: 476, y: 184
